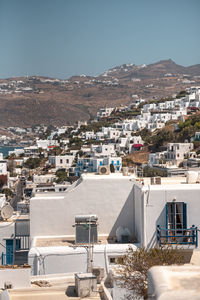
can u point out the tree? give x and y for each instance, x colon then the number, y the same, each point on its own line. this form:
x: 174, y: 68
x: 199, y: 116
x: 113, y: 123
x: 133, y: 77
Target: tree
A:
x: 135, y: 264
x: 152, y: 172
x: 8, y: 192
x: 55, y: 151
x: 32, y: 163
x: 61, y: 176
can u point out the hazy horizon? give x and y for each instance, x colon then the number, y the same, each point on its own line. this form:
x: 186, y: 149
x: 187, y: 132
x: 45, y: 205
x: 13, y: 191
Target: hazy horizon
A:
x: 74, y: 75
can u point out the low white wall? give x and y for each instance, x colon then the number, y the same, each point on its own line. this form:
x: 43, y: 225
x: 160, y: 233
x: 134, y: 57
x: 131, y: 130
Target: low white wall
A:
x: 4, y: 295
x: 52, y: 260
x: 20, y: 277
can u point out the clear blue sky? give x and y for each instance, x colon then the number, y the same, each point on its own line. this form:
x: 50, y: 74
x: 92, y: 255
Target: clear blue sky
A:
x: 61, y: 38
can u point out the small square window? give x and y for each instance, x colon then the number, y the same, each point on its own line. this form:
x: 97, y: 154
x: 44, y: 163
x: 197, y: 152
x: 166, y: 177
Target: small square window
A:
x: 112, y: 260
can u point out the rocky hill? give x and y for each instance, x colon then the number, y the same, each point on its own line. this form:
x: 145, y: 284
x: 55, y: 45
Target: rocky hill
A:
x: 37, y: 100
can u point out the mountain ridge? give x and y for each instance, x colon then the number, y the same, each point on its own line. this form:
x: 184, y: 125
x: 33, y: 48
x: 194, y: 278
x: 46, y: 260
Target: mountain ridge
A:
x: 26, y: 101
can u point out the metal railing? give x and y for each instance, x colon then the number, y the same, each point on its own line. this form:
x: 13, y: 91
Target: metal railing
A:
x: 3, y: 259
x: 185, y: 236
x: 22, y: 242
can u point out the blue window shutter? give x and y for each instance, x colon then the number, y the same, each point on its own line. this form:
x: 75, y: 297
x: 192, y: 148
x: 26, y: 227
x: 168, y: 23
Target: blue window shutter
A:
x: 184, y: 215
x: 166, y: 209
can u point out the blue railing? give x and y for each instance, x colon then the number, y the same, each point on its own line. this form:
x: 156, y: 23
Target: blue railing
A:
x: 3, y: 259
x: 185, y: 236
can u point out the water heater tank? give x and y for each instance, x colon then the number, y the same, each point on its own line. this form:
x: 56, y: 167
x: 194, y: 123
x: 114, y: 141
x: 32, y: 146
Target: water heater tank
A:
x: 86, y: 218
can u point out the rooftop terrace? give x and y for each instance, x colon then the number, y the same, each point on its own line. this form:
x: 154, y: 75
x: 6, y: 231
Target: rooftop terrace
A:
x: 50, y: 287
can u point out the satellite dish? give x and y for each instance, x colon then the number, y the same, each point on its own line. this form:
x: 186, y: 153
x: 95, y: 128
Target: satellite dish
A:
x: 6, y: 211
x: 123, y: 235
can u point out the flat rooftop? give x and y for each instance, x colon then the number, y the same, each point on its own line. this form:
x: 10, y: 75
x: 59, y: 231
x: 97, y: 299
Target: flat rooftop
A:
x: 15, y: 216
x: 60, y: 241
x: 167, y: 183
x: 50, y: 287
x: 64, y: 241
x: 109, y: 176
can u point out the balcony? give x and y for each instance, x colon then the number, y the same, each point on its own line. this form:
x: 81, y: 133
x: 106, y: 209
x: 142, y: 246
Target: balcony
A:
x: 17, y: 252
x: 187, y: 236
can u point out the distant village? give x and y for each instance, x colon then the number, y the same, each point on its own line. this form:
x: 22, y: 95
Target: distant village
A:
x: 74, y: 199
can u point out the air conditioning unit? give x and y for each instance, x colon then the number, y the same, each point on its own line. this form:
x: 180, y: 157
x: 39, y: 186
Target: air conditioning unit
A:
x: 104, y: 170
x: 157, y: 180
x: 99, y: 273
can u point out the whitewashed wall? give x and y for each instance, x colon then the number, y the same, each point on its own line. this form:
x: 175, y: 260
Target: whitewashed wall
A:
x: 155, y: 199
x: 7, y: 230
x: 20, y: 277
x: 109, y: 197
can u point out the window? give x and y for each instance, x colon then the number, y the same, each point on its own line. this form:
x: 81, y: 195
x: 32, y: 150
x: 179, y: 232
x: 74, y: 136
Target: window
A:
x: 17, y: 244
x: 176, y: 216
x: 67, y: 161
x: 61, y: 161
x: 112, y: 260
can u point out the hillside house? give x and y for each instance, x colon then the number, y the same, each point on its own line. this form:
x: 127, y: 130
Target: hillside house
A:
x: 177, y: 152
x: 61, y: 161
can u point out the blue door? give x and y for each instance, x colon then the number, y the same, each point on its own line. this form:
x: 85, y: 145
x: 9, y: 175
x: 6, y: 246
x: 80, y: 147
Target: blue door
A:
x: 9, y: 252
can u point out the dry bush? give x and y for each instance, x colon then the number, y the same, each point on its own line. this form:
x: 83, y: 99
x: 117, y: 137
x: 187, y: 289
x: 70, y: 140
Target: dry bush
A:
x: 135, y: 264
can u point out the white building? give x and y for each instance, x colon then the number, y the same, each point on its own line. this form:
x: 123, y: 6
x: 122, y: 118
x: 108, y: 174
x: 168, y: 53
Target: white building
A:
x: 45, y: 144
x: 3, y: 167
x: 61, y: 161
x: 43, y: 179
x: 103, y: 150
x: 156, y: 158
x: 152, y: 215
x: 105, y: 112
x: 52, y: 251
x: 164, y: 210
x: 92, y: 164
x: 177, y: 152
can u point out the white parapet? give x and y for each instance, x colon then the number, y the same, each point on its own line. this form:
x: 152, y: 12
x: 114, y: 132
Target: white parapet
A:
x: 19, y: 277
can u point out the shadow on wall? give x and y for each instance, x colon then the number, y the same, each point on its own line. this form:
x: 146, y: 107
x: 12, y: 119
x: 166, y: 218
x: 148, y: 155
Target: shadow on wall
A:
x: 160, y: 221
x: 34, y: 268
x: 125, y: 218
